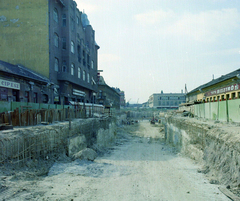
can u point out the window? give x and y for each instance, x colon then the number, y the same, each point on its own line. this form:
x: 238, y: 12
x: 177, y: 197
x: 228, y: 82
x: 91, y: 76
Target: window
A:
x: 227, y: 96
x: 72, y: 47
x: 83, y: 57
x: 92, y: 64
x: 72, y: 69
x: 64, y: 20
x: 84, y: 75
x: 56, y: 64
x: 45, y: 98
x: 35, y: 97
x: 64, y: 44
x: 56, y: 39
x: 79, y: 72
x: 55, y: 15
x: 233, y: 95
x: 77, y: 20
x: 72, y: 24
x: 88, y: 78
x: 64, y: 66
x: 26, y: 96
x: 88, y: 60
x: 79, y: 53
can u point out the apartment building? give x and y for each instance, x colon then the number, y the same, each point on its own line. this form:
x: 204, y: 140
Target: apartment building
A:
x: 54, y: 39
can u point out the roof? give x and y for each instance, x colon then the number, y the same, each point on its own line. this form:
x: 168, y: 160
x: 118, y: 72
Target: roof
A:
x: 235, y: 73
x: 102, y: 81
x: 21, y: 71
x: 169, y: 94
x: 85, y: 21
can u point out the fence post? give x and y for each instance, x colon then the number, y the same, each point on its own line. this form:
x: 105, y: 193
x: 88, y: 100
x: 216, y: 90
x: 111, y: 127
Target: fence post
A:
x: 227, y: 110
x: 69, y: 118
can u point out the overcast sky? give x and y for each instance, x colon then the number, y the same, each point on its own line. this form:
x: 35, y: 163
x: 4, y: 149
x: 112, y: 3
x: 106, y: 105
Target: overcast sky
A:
x: 151, y: 45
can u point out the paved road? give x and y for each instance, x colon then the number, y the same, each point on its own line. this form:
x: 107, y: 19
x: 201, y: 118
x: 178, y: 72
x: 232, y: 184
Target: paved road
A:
x: 139, y: 168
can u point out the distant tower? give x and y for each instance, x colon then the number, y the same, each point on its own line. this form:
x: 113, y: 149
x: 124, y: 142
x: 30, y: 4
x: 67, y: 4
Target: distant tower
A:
x: 186, y: 91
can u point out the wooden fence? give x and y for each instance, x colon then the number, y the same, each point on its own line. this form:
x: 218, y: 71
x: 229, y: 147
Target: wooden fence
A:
x: 25, y: 116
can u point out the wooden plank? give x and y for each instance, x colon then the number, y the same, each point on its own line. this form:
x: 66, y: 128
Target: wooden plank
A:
x: 39, y: 118
x: 17, y: 117
x: 228, y: 193
x: 1, y: 118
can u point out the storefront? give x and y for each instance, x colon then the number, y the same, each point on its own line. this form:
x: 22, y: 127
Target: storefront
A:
x: 9, y: 91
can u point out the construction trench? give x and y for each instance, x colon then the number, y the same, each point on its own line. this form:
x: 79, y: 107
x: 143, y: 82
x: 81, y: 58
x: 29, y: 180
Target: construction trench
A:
x: 37, y: 162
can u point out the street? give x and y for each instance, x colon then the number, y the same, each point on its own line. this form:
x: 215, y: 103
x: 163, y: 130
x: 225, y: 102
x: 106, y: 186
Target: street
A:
x: 138, y: 167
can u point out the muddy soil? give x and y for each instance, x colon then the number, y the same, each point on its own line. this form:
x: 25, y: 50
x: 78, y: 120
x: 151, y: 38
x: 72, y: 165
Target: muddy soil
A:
x: 139, y: 167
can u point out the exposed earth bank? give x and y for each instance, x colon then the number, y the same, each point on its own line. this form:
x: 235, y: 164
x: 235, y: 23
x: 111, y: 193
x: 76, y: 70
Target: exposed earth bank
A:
x: 140, y: 166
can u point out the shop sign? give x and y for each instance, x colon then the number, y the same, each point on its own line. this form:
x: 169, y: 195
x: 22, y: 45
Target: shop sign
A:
x: 78, y: 93
x: 230, y: 88
x: 9, y: 84
x: 56, y: 98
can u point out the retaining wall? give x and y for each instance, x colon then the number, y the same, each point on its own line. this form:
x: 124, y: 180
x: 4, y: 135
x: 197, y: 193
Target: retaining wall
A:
x: 216, y: 146
x: 22, y: 144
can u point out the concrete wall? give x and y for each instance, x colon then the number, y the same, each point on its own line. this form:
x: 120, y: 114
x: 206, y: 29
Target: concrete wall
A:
x: 24, y: 34
x: 22, y: 144
x: 216, y: 148
x: 228, y: 110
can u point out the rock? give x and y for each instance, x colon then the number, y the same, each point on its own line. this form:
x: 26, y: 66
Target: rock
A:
x: 213, y: 181
x: 85, y: 154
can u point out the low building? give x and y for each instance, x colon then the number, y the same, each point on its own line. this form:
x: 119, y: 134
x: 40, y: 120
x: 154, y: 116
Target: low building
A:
x: 107, y: 96
x: 122, y: 97
x: 166, y: 100
x: 226, y: 87
x: 21, y: 84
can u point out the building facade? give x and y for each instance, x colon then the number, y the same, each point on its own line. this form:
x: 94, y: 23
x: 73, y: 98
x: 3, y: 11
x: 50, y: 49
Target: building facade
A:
x: 122, y: 99
x: 226, y: 87
x: 107, y: 96
x: 122, y: 96
x: 52, y: 38
x: 20, y: 84
x: 166, y: 100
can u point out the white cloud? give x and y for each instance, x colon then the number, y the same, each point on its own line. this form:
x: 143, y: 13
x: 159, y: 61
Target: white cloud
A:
x: 205, y: 26
x: 154, y: 17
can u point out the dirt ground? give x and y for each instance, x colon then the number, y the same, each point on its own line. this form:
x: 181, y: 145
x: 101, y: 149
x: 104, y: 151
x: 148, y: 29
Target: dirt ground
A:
x: 139, y: 167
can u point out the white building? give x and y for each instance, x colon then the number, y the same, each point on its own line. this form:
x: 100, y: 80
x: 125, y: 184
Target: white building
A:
x: 166, y: 100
